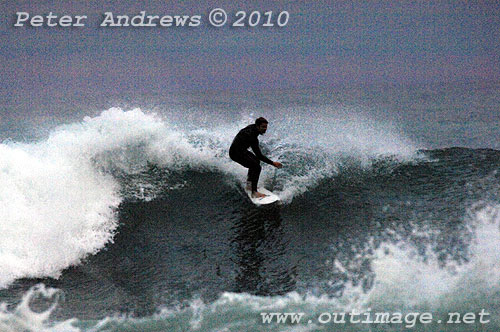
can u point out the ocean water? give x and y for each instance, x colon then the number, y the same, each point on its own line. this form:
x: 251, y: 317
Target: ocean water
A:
x: 128, y: 215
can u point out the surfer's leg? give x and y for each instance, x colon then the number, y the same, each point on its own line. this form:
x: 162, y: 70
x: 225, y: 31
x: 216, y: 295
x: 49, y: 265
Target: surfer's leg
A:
x: 250, y: 161
x: 253, y: 170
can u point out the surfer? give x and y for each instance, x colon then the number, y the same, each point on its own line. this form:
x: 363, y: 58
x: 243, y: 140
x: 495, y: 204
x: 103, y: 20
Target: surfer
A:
x: 248, y: 137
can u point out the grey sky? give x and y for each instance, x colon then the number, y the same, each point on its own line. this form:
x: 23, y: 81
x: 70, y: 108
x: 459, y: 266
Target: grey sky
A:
x: 326, y: 43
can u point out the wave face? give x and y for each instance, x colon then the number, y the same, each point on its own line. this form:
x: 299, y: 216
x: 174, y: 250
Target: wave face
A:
x: 59, y: 196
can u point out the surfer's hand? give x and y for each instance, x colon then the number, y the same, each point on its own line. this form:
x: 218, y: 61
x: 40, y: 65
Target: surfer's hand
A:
x: 277, y: 164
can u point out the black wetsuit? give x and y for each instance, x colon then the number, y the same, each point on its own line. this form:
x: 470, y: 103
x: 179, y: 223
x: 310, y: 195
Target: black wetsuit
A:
x: 248, y: 137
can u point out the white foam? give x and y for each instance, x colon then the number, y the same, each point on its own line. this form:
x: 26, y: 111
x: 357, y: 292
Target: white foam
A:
x: 23, y: 319
x: 54, y: 211
x: 405, y: 281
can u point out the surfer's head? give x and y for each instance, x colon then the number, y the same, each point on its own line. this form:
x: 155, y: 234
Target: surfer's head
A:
x: 261, y: 124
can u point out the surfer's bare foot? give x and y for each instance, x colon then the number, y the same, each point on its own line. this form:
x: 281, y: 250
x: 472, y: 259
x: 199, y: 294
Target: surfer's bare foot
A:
x: 257, y: 194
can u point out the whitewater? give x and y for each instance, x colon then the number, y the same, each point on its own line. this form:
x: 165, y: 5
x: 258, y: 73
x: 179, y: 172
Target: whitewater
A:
x: 135, y: 218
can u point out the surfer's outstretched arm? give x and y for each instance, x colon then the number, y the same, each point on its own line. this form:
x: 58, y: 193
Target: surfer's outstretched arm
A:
x: 258, y: 153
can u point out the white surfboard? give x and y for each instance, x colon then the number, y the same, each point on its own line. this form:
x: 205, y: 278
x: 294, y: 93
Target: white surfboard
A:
x: 270, y: 198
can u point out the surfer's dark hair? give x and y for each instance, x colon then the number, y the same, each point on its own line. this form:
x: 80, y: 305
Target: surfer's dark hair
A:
x: 260, y: 121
